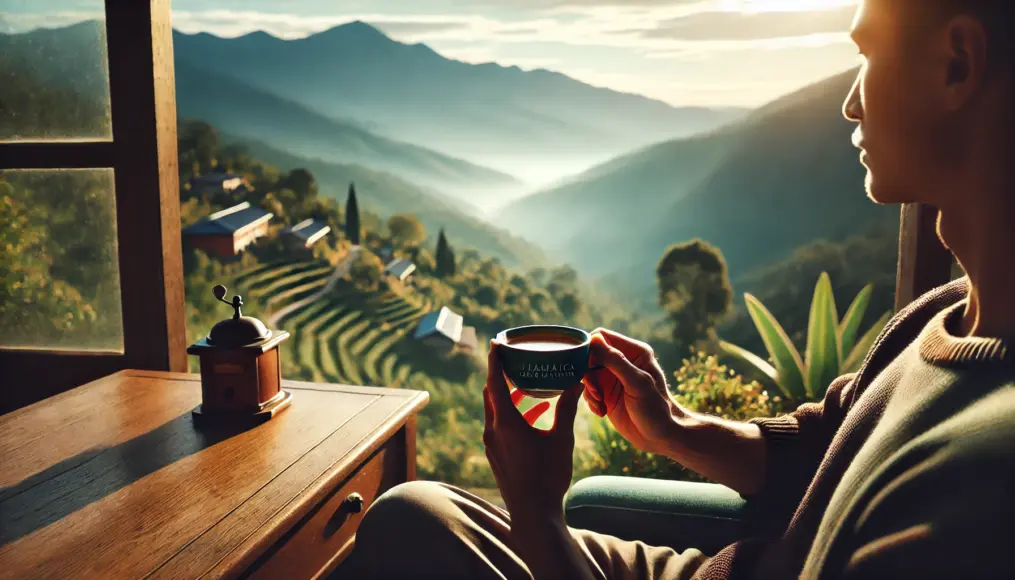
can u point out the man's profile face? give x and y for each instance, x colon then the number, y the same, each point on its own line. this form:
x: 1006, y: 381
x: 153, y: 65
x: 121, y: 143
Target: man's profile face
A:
x: 896, y: 129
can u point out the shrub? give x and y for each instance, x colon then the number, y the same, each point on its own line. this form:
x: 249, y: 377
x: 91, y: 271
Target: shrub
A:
x: 832, y: 346
x: 703, y: 385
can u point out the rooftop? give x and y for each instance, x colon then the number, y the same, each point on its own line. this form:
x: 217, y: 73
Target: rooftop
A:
x: 400, y: 269
x: 229, y: 220
x: 225, y: 181
x: 309, y: 230
x: 443, y: 322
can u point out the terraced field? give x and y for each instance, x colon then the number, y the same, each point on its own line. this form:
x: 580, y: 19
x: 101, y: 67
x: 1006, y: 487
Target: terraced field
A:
x: 347, y: 336
x: 353, y: 338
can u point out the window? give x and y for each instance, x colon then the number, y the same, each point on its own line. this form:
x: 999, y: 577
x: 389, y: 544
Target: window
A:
x: 88, y: 176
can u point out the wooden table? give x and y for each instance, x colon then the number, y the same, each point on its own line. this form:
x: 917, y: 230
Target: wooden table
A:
x: 114, y: 480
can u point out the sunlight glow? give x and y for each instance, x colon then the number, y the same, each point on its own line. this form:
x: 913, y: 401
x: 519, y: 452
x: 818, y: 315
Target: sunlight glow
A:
x: 748, y: 6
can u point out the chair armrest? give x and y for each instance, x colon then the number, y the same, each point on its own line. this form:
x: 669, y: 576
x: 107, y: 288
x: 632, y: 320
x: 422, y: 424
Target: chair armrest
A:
x: 677, y: 514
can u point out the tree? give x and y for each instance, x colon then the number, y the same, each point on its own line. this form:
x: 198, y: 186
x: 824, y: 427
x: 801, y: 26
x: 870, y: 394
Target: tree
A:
x: 367, y: 272
x: 352, y: 230
x: 424, y: 260
x: 694, y: 290
x: 198, y: 146
x: 569, y: 304
x: 488, y: 294
x: 405, y: 231
x: 445, y: 257
x: 302, y: 183
x: 538, y: 276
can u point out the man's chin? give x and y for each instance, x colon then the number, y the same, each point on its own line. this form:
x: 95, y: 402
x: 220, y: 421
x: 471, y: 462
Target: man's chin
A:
x: 881, y: 194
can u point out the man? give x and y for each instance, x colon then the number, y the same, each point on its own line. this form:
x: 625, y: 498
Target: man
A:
x: 905, y: 470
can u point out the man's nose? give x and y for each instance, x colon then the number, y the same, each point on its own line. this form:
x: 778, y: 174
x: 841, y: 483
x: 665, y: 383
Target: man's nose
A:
x: 852, y: 108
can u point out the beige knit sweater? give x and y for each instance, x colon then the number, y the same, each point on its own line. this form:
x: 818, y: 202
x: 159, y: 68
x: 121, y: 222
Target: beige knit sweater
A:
x: 905, y: 469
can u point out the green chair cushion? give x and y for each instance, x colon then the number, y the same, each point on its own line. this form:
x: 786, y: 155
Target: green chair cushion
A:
x: 678, y: 514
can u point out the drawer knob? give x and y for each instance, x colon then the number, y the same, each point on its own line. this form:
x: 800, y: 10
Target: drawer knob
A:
x: 353, y: 504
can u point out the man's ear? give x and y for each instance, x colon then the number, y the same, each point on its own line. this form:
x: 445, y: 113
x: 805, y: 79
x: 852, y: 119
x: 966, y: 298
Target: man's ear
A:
x: 965, y: 48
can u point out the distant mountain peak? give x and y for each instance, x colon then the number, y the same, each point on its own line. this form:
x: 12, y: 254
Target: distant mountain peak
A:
x: 355, y: 29
x: 260, y: 35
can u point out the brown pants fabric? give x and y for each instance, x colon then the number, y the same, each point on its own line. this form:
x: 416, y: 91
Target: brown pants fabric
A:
x: 432, y: 530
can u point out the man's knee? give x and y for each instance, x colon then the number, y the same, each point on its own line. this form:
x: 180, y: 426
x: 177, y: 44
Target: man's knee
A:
x: 409, y: 508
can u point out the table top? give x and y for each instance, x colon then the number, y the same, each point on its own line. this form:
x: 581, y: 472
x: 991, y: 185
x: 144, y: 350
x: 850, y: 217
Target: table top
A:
x: 113, y: 479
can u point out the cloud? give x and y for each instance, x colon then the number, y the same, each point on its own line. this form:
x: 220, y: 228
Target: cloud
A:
x: 708, y: 26
x: 15, y: 22
x: 413, y: 28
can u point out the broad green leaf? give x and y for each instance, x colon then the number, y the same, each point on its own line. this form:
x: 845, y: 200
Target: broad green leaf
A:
x: 751, y: 359
x: 859, y: 352
x: 850, y: 324
x: 822, y: 356
x: 786, y: 359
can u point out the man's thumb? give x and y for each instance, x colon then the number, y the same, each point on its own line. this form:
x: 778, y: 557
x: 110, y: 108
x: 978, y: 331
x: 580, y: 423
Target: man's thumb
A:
x: 567, y: 408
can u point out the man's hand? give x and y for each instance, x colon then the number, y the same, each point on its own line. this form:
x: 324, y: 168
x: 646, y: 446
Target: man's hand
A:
x: 631, y: 391
x: 533, y: 471
x: 533, y: 468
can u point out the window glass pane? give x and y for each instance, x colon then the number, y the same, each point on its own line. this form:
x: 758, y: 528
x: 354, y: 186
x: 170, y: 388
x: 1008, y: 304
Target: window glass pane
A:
x: 54, y: 79
x: 59, y: 274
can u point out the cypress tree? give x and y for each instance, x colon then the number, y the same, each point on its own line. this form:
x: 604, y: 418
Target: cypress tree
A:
x: 444, y: 257
x: 352, y: 216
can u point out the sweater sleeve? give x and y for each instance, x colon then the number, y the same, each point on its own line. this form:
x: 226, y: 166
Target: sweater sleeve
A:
x: 795, y: 443
x: 937, y: 513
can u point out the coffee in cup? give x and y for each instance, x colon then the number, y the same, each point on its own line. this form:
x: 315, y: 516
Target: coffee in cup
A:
x: 544, y: 361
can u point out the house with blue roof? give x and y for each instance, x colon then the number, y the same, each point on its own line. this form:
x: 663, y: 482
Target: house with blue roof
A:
x: 399, y: 272
x: 305, y: 234
x: 445, y: 331
x: 228, y: 232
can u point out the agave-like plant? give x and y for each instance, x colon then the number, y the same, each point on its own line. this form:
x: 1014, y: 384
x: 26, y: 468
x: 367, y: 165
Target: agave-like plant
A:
x: 832, y: 345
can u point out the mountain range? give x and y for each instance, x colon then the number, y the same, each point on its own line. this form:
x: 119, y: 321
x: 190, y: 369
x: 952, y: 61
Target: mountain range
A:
x: 784, y: 176
x: 533, y: 124
x: 44, y: 92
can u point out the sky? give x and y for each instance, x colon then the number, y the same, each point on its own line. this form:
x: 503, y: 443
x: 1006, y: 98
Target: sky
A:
x: 684, y: 52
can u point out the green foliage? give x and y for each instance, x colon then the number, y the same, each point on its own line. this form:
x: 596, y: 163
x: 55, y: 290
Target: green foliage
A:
x: 405, y: 231
x: 831, y: 350
x: 703, y: 385
x: 302, y: 183
x: 694, y: 291
x: 352, y: 225
x: 445, y: 257
x: 868, y: 258
x: 367, y: 271
x: 198, y: 146
x: 59, y: 269
x: 31, y: 107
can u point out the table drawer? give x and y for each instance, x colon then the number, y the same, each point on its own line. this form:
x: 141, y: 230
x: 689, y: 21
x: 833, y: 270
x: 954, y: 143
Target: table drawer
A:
x: 322, y: 539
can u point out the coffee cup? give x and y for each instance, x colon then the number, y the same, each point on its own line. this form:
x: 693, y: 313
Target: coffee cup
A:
x: 544, y: 361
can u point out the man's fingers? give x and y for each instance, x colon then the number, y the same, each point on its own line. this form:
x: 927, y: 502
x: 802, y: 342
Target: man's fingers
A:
x: 497, y: 385
x: 595, y: 405
x: 533, y: 414
x: 634, y: 350
x: 567, y: 408
x: 487, y: 408
x: 618, y: 364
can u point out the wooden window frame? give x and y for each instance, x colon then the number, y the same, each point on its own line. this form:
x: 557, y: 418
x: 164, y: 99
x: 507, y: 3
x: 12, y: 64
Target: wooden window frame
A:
x: 143, y: 156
